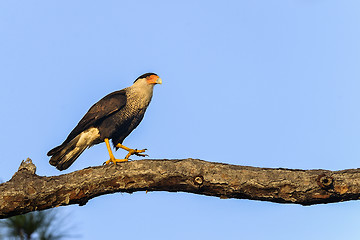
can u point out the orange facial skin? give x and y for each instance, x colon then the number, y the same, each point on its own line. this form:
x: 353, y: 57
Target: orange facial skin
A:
x: 153, y: 79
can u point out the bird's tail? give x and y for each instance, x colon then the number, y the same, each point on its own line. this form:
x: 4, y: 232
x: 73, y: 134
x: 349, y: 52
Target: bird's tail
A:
x: 64, y: 155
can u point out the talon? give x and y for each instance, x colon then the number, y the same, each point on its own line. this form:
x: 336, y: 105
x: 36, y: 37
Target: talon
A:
x: 135, y: 151
x: 141, y: 155
x: 132, y: 151
x: 112, y: 158
x: 114, y: 161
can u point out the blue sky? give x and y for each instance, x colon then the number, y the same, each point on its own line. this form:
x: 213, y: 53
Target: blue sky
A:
x: 259, y: 83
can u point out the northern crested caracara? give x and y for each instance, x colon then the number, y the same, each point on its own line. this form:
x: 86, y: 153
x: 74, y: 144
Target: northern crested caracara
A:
x: 113, y: 117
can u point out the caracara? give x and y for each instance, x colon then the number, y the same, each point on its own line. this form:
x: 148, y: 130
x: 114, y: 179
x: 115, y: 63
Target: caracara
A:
x: 113, y: 117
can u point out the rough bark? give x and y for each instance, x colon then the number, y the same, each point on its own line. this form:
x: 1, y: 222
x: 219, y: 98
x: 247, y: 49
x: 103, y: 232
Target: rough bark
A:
x: 26, y: 191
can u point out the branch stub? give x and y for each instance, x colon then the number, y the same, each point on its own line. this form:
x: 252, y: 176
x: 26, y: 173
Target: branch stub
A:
x: 28, y: 165
x: 325, y: 182
x: 199, y: 180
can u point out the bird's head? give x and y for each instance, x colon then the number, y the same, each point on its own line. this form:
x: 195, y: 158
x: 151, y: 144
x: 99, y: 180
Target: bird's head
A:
x: 149, y: 78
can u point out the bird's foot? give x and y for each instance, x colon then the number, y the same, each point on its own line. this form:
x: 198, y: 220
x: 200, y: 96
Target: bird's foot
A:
x: 136, y: 152
x: 114, y: 161
x: 132, y: 151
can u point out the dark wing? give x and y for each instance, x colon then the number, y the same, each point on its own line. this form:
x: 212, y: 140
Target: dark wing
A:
x: 108, y: 105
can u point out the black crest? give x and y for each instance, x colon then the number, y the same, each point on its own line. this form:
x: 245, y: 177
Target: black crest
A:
x: 144, y: 76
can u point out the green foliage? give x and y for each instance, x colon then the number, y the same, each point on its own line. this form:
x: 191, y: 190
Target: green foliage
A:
x: 42, y: 225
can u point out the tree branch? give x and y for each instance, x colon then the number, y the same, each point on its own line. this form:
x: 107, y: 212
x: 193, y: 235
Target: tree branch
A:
x: 26, y: 191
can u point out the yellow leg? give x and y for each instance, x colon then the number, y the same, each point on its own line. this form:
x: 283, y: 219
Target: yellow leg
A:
x: 132, y: 151
x: 112, y: 158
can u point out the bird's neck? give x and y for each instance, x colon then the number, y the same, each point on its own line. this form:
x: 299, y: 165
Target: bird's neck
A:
x: 140, y: 94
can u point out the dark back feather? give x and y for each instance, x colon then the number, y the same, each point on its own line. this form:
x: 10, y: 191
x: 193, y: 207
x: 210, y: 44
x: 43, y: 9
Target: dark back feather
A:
x: 108, y: 105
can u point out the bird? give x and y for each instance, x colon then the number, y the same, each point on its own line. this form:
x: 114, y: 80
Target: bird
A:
x: 113, y: 118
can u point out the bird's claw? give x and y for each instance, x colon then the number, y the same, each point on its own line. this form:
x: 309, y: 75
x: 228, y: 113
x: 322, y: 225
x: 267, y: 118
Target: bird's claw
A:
x: 115, y: 161
x: 140, y: 151
x: 136, y: 152
x: 141, y: 155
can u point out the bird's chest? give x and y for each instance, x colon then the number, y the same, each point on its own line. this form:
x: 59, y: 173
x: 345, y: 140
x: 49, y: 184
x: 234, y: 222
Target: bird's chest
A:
x: 136, y: 105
